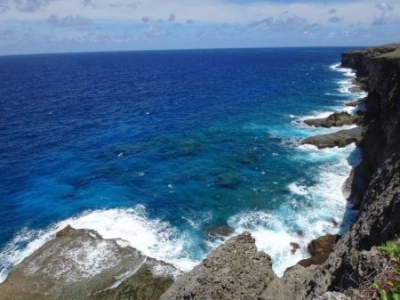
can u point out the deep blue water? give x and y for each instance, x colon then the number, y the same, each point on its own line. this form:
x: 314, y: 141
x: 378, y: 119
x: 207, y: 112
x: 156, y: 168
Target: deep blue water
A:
x: 163, y: 146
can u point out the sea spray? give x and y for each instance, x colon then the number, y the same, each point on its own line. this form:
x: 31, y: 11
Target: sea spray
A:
x: 163, y: 155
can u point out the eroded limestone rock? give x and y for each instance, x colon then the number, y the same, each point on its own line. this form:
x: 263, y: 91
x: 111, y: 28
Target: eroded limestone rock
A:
x: 80, y: 264
x: 235, y: 270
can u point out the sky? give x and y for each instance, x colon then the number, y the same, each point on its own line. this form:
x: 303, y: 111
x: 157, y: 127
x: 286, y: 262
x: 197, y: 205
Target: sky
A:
x: 52, y: 26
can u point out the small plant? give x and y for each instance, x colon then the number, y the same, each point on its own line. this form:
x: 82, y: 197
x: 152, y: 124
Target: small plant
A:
x: 392, y: 249
x: 388, y: 284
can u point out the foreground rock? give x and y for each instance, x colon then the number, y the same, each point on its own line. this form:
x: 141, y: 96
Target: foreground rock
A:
x: 235, y: 270
x: 80, y: 264
x: 334, y: 120
x: 341, y: 138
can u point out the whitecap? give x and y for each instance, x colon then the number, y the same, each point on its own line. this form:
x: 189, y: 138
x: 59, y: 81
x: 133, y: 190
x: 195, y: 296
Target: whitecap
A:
x: 346, y: 71
x: 310, y: 211
x: 131, y: 227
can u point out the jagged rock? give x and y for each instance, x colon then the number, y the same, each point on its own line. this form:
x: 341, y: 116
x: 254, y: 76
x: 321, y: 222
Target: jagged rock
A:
x: 378, y: 219
x: 323, y: 244
x: 277, y: 290
x: 149, y: 282
x: 295, y: 247
x: 319, y: 249
x: 80, y: 264
x: 335, y: 119
x: 294, y: 278
x: 359, y: 60
x: 369, y: 262
x: 235, y: 270
x: 354, y: 187
x: 341, y: 138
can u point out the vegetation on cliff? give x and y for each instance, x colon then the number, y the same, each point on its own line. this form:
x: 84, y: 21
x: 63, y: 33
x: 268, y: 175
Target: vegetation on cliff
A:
x: 383, y: 282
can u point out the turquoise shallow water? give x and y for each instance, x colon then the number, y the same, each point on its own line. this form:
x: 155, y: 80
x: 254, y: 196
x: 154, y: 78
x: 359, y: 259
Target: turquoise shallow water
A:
x: 158, y: 148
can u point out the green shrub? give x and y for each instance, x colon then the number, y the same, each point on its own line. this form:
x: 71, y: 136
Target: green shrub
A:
x: 387, y: 284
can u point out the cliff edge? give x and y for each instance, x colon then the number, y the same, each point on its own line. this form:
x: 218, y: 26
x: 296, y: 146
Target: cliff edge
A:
x: 378, y: 221
x: 379, y: 204
x: 236, y: 270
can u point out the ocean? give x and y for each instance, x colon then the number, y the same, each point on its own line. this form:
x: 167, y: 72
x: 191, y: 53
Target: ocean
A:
x: 159, y: 149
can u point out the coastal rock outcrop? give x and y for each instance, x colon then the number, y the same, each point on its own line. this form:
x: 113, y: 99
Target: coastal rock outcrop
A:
x: 379, y: 214
x: 375, y: 183
x: 80, y: 264
x: 334, y: 120
x: 341, y: 138
x: 320, y: 249
x: 235, y: 270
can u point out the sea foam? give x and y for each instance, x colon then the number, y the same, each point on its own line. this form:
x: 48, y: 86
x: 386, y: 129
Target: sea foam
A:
x: 131, y: 227
x: 311, y: 211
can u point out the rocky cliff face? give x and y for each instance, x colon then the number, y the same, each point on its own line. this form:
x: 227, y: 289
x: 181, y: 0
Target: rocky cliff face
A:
x: 379, y: 218
x: 378, y: 70
x: 360, y: 60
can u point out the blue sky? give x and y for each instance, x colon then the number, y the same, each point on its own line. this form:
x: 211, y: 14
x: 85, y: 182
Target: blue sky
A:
x: 46, y: 26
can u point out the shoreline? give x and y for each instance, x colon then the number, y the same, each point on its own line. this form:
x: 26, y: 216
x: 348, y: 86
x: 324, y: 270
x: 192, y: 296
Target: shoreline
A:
x: 296, y: 188
x: 377, y: 219
x: 321, y: 247
x: 236, y: 269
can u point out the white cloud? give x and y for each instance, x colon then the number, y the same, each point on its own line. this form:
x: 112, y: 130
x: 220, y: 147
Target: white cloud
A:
x: 78, y: 22
x: 386, y: 15
x: 204, y: 21
x: 155, y: 32
x: 284, y: 22
x: 206, y: 11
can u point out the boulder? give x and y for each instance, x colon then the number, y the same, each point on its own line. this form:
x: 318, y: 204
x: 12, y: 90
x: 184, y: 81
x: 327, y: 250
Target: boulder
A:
x: 80, y: 264
x: 319, y: 249
x: 323, y: 244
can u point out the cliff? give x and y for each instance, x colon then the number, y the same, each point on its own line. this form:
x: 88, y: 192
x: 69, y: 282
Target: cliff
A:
x: 236, y: 270
x: 373, y: 187
x: 379, y: 214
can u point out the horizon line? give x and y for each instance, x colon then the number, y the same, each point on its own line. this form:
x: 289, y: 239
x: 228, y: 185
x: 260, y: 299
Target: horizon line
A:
x: 179, y: 49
